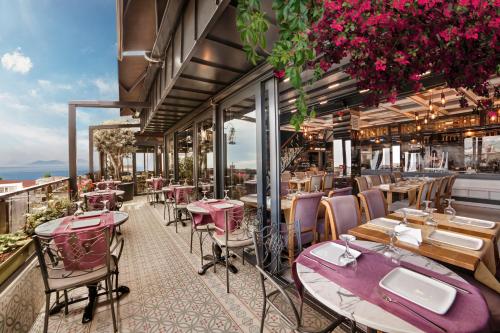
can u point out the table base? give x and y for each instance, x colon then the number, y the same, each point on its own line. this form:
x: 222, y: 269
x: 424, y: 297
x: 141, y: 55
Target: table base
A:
x: 219, y: 259
x: 92, y: 297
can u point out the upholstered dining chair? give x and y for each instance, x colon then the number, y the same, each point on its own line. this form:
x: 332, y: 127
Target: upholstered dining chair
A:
x: 342, y: 214
x: 397, y: 176
x: 76, y: 259
x: 441, y: 194
x: 362, y: 183
x: 373, y: 180
x: 304, y: 209
x: 340, y: 192
x: 373, y: 203
x: 300, y: 175
x: 422, y: 195
x: 328, y: 179
x: 268, y: 245
x: 315, y: 183
x: 434, y: 191
x: 386, y: 178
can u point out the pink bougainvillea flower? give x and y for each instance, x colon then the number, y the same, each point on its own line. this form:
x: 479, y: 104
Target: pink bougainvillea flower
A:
x: 336, y: 26
x: 472, y: 33
x: 401, y: 58
x: 279, y: 73
x: 325, y: 66
x: 380, y: 65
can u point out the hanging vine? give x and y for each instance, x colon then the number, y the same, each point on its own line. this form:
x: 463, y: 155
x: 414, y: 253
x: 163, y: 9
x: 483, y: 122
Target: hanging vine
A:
x: 293, y: 53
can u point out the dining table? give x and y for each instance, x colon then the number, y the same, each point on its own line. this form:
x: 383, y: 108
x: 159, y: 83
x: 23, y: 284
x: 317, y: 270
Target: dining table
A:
x: 299, y: 183
x: 51, y: 228
x: 198, y: 208
x: 408, y: 188
x: 481, y: 261
x: 118, y: 193
x: 374, y: 291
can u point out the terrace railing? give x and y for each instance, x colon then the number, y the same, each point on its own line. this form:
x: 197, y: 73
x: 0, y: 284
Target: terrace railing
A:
x: 15, y: 205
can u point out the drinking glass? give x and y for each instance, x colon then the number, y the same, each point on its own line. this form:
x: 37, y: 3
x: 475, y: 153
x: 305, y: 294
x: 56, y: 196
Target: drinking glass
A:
x: 427, y: 204
x: 106, y: 205
x: 390, y: 250
x: 316, y: 188
x: 430, y: 221
x: 347, y: 258
x: 185, y: 182
x: 79, y: 210
x: 405, y: 214
x: 226, y: 196
x: 204, y: 195
x: 449, y: 210
x: 170, y: 182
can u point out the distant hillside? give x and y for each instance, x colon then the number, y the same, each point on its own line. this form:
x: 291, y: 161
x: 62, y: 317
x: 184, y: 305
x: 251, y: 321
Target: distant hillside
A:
x: 48, y: 162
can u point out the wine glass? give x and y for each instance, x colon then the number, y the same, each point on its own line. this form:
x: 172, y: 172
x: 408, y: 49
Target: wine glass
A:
x: 430, y: 221
x: 204, y: 195
x: 427, y: 204
x: 226, y: 196
x: 316, y: 188
x: 390, y: 250
x: 106, y: 206
x: 170, y: 182
x: 449, y: 210
x: 79, y: 210
x: 185, y: 182
x: 405, y: 215
x: 347, y: 258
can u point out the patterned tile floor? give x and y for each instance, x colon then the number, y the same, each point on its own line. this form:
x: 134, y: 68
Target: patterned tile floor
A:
x: 167, y: 294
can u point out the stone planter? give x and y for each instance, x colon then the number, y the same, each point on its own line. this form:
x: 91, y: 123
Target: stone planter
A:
x: 16, y: 260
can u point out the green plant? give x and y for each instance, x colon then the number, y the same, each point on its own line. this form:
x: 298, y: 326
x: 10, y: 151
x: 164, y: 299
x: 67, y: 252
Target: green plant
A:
x: 293, y: 53
x: 10, y: 242
x: 186, y: 168
x: 55, y: 208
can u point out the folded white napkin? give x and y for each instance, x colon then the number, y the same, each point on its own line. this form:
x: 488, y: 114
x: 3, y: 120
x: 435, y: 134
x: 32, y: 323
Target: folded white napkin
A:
x: 409, y: 235
x: 384, y: 187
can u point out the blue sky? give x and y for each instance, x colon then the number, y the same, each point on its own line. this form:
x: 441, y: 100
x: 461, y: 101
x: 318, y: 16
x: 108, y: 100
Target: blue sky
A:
x: 51, y: 52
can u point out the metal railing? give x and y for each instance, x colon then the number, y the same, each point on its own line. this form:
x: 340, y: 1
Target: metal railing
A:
x: 15, y: 205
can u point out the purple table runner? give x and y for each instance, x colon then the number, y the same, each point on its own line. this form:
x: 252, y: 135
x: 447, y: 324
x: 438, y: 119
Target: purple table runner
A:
x: 468, y: 313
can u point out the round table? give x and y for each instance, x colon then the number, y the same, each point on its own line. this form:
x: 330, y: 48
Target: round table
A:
x: 352, y: 307
x: 48, y: 228
x: 219, y: 259
x: 117, y: 192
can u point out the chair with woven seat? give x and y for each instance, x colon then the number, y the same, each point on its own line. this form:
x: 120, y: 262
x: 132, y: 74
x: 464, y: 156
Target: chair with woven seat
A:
x: 235, y: 233
x: 342, y: 214
x: 362, y: 183
x: 76, y: 259
x: 268, y: 246
x: 373, y: 203
x: 328, y: 179
x: 422, y: 195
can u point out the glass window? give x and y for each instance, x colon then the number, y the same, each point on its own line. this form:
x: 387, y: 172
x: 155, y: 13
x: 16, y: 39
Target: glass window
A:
x: 185, y: 155
x: 205, y: 155
x: 396, y: 157
x: 240, y: 148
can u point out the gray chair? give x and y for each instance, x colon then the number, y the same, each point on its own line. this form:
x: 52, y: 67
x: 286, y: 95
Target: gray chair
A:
x: 77, y: 259
x: 268, y: 245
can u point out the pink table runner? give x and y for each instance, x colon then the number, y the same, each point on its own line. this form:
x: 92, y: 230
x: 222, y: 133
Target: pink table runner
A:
x: 235, y: 215
x: 469, y: 312
x: 82, y: 248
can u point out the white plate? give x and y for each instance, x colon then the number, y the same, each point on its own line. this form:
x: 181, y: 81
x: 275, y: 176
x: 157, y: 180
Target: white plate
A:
x: 92, y: 213
x: 331, y: 252
x: 412, y: 212
x: 85, y: 223
x: 456, y: 239
x: 473, y: 222
x: 419, y: 289
x: 211, y: 200
x: 223, y: 206
x: 384, y: 222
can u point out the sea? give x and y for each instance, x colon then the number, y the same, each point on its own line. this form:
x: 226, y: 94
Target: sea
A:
x: 36, y: 171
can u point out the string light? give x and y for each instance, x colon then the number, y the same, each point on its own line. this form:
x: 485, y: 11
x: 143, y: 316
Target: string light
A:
x: 443, y: 99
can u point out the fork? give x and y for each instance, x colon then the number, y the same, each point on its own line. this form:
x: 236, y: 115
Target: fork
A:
x: 390, y: 300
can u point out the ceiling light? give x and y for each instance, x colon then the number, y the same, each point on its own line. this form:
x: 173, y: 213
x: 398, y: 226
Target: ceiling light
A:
x: 286, y: 79
x: 416, y: 116
x: 335, y: 85
x: 133, y: 53
x: 294, y: 110
x: 443, y: 99
x: 433, y: 116
x: 292, y: 100
x: 426, y: 73
x: 323, y: 102
x: 364, y: 91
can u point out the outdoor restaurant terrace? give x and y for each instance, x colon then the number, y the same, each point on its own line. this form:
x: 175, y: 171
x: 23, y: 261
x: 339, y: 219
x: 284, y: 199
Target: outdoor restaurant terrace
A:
x: 218, y: 205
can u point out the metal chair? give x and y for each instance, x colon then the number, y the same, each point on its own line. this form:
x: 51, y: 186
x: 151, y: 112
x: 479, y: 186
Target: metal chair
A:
x: 244, y: 222
x: 268, y: 245
x: 202, y: 226
x: 373, y: 203
x: 342, y: 214
x: 76, y: 259
x: 182, y: 198
x: 96, y: 201
x: 155, y: 189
